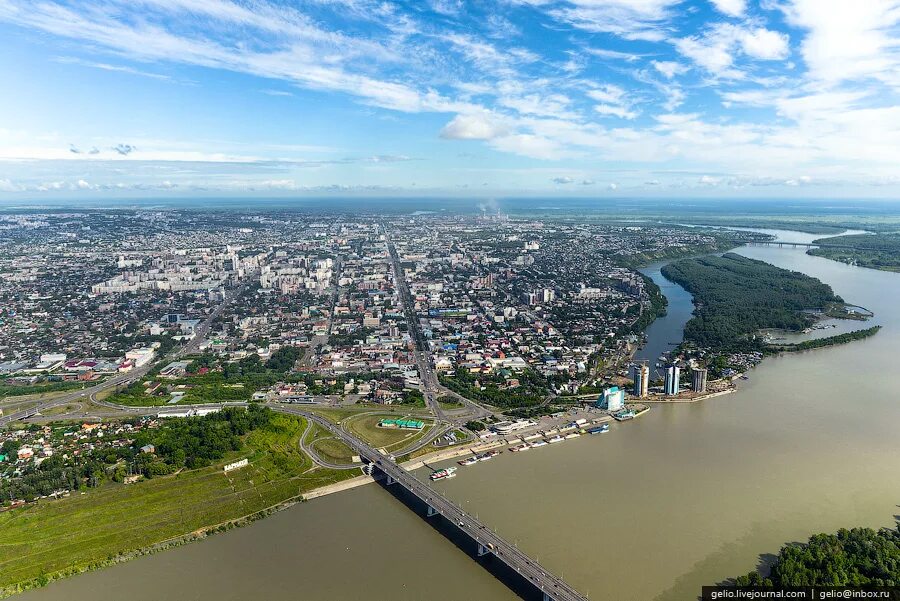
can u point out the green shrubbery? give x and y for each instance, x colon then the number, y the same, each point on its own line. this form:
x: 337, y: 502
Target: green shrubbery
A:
x: 857, y: 557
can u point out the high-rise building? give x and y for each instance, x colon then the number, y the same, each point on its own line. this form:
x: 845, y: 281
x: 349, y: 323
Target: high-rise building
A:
x: 612, y: 399
x: 673, y: 375
x: 698, y: 379
x: 641, y: 375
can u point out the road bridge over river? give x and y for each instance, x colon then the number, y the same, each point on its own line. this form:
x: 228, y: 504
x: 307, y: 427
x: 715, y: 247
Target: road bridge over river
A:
x: 484, y: 541
x: 781, y: 244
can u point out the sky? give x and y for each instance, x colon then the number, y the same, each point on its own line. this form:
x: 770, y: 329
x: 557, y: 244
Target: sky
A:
x: 592, y: 98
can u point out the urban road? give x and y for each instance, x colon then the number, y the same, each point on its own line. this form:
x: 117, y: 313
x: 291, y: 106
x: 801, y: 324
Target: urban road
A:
x: 552, y: 587
x: 123, y: 379
x: 430, y: 384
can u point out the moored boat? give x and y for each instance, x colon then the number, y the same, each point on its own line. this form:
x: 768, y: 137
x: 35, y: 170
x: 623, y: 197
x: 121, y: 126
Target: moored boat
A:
x: 443, y: 474
x: 488, y: 455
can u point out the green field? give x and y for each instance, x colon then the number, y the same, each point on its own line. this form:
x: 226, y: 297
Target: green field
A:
x: 366, y: 427
x: 333, y: 450
x: 91, y: 529
x: 42, y: 390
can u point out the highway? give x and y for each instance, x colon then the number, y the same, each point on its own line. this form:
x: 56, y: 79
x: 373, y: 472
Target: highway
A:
x: 488, y: 541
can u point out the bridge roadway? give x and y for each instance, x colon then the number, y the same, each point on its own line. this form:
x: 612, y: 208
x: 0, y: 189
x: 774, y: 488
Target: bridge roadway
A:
x: 488, y: 542
x: 816, y: 245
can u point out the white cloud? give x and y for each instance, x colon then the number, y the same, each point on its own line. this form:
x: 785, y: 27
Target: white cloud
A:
x: 612, y: 101
x: 489, y: 57
x: 613, y: 54
x: 563, y: 180
x: 764, y: 44
x: 299, y: 52
x: 712, y: 54
x: 534, y: 146
x: 478, y: 126
x: 615, y: 111
x: 715, y: 50
x: 732, y: 8
x: 551, y: 105
x: 847, y: 41
x: 629, y: 19
x: 669, y: 69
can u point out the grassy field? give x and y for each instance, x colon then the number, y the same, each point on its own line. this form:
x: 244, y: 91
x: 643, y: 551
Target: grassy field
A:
x: 62, y: 409
x: 44, y: 390
x: 90, y: 529
x: 333, y: 450
x: 366, y: 427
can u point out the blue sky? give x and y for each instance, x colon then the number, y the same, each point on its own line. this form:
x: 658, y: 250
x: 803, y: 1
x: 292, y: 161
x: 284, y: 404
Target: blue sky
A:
x: 768, y: 98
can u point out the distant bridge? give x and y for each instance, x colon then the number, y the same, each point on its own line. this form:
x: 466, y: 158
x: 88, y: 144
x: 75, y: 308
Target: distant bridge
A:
x: 780, y: 244
x: 484, y: 541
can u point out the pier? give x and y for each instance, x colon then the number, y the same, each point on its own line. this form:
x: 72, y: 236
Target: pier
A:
x: 483, y: 541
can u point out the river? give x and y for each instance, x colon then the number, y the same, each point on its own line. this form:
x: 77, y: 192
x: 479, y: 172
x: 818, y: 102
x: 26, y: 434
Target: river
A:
x: 684, y: 496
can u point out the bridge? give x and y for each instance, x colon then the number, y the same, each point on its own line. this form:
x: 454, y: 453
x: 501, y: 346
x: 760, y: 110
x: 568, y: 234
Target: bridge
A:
x: 781, y: 244
x: 484, y: 541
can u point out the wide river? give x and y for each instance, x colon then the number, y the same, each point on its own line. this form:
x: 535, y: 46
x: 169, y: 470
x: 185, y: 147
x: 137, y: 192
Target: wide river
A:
x: 684, y: 496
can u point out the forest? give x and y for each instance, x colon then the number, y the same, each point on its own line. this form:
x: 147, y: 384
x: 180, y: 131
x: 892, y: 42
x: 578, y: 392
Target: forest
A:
x: 880, y: 251
x: 857, y: 557
x: 735, y: 297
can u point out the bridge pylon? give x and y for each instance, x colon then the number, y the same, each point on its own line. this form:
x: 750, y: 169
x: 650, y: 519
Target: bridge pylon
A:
x: 483, y: 550
x: 430, y: 511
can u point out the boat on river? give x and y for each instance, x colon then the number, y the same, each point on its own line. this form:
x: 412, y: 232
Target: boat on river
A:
x: 449, y: 472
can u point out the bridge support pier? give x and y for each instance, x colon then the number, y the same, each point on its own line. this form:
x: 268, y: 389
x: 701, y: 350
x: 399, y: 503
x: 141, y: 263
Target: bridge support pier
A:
x: 547, y: 597
x: 390, y: 480
x: 482, y: 550
x: 431, y: 511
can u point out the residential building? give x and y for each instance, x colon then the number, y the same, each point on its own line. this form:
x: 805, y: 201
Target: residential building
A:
x: 672, y: 384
